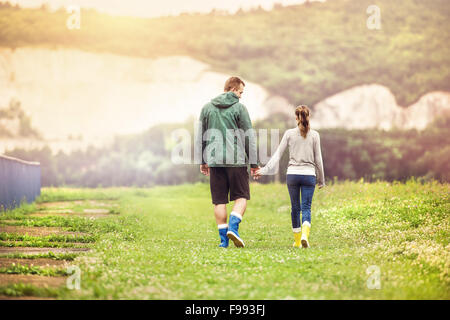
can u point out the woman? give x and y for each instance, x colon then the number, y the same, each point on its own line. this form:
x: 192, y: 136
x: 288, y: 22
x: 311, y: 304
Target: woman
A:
x: 305, y: 167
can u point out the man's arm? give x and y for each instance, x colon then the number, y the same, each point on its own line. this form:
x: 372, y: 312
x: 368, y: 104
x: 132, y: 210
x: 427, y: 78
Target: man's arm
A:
x: 201, y: 144
x: 250, y: 141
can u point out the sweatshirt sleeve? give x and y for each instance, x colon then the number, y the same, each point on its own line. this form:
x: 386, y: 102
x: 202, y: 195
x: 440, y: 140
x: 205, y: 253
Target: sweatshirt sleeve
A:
x: 200, y: 144
x: 250, y: 140
x: 272, y: 167
x: 318, y: 161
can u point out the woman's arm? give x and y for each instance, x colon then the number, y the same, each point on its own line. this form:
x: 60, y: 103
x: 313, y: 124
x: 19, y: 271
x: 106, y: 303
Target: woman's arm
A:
x: 272, y: 167
x: 318, y: 161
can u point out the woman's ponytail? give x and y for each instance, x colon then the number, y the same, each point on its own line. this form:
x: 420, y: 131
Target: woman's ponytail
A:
x: 302, y: 114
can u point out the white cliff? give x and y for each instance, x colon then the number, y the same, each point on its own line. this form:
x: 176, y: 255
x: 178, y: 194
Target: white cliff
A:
x: 374, y: 106
x: 98, y: 95
x: 76, y: 98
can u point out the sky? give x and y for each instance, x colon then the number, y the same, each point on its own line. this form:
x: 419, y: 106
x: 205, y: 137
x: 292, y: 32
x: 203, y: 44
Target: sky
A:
x: 152, y: 8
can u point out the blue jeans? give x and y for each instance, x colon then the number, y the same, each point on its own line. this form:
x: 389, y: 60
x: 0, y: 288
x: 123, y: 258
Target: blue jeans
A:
x: 306, y: 184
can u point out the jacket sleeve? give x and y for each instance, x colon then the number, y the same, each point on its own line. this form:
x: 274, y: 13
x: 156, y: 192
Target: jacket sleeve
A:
x: 250, y: 137
x: 272, y: 166
x: 318, y: 161
x: 200, y: 144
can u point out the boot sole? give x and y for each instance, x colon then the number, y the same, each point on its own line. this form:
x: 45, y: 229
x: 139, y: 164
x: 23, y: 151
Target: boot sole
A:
x: 237, y: 241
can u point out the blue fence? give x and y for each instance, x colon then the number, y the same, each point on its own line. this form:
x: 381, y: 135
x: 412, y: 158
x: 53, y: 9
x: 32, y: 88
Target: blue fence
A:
x: 19, y: 181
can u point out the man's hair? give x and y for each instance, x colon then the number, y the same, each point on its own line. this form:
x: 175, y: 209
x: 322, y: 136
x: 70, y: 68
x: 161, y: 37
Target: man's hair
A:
x: 233, y: 83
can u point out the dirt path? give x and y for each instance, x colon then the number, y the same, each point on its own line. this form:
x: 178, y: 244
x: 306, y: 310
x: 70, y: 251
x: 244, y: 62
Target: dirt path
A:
x: 38, y: 262
x: 93, y: 209
x: 24, y: 298
x: 38, y: 281
x: 39, y: 231
x: 34, y: 250
x: 69, y: 204
x: 69, y: 214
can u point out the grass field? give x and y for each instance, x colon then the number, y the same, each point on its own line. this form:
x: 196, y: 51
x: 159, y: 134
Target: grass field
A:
x: 161, y: 243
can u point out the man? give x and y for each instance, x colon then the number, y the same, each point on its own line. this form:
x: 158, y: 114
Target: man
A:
x: 230, y: 145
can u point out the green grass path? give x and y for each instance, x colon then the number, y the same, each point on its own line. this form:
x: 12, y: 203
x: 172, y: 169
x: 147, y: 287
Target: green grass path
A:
x: 164, y: 245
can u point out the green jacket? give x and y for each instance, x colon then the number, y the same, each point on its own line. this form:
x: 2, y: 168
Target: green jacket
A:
x: 230, y: 140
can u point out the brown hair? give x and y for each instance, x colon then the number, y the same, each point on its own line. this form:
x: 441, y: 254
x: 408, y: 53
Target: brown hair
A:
x: 302, y: 113
x: 233, y: 83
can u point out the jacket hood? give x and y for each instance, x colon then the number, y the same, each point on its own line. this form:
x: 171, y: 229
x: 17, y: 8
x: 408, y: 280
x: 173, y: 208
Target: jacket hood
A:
x: 225, y: 100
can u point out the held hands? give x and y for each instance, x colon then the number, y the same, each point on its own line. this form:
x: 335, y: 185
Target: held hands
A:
x: 204, y: 169
x: 256, y: 173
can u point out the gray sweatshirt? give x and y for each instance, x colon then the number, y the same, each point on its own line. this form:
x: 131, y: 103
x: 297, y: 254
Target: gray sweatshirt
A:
x: 305, y: 155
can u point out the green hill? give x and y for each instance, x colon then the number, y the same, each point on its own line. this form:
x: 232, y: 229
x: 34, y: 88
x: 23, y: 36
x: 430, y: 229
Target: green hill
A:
x: 304, y: 52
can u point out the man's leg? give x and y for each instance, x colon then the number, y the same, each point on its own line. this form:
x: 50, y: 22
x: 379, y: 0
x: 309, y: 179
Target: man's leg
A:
x: 240, y: 205
x: 235, y: 219
x: 220, y: 212
x: 239, y: 193
x: 219, y: 193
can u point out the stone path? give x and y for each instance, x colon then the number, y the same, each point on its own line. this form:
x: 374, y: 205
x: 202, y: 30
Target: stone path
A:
x: 39, y: 231
x: 95, y: 209
x: 66, y: 213
x: 38, y: 281
x: 34, y: 250
x: 68, y: 204
x: 39, y: 262
x: 24, y: 298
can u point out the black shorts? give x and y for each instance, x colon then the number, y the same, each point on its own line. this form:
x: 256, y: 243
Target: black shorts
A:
x: 234, y: 180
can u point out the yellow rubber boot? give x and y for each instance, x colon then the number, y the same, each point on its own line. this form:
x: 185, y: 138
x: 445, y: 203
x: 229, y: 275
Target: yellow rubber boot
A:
x: 306, y: 227
x: 297, y: 238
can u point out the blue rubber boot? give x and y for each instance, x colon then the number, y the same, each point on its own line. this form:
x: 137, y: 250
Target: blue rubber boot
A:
x: 232, y: 234
x: 223, y: 238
